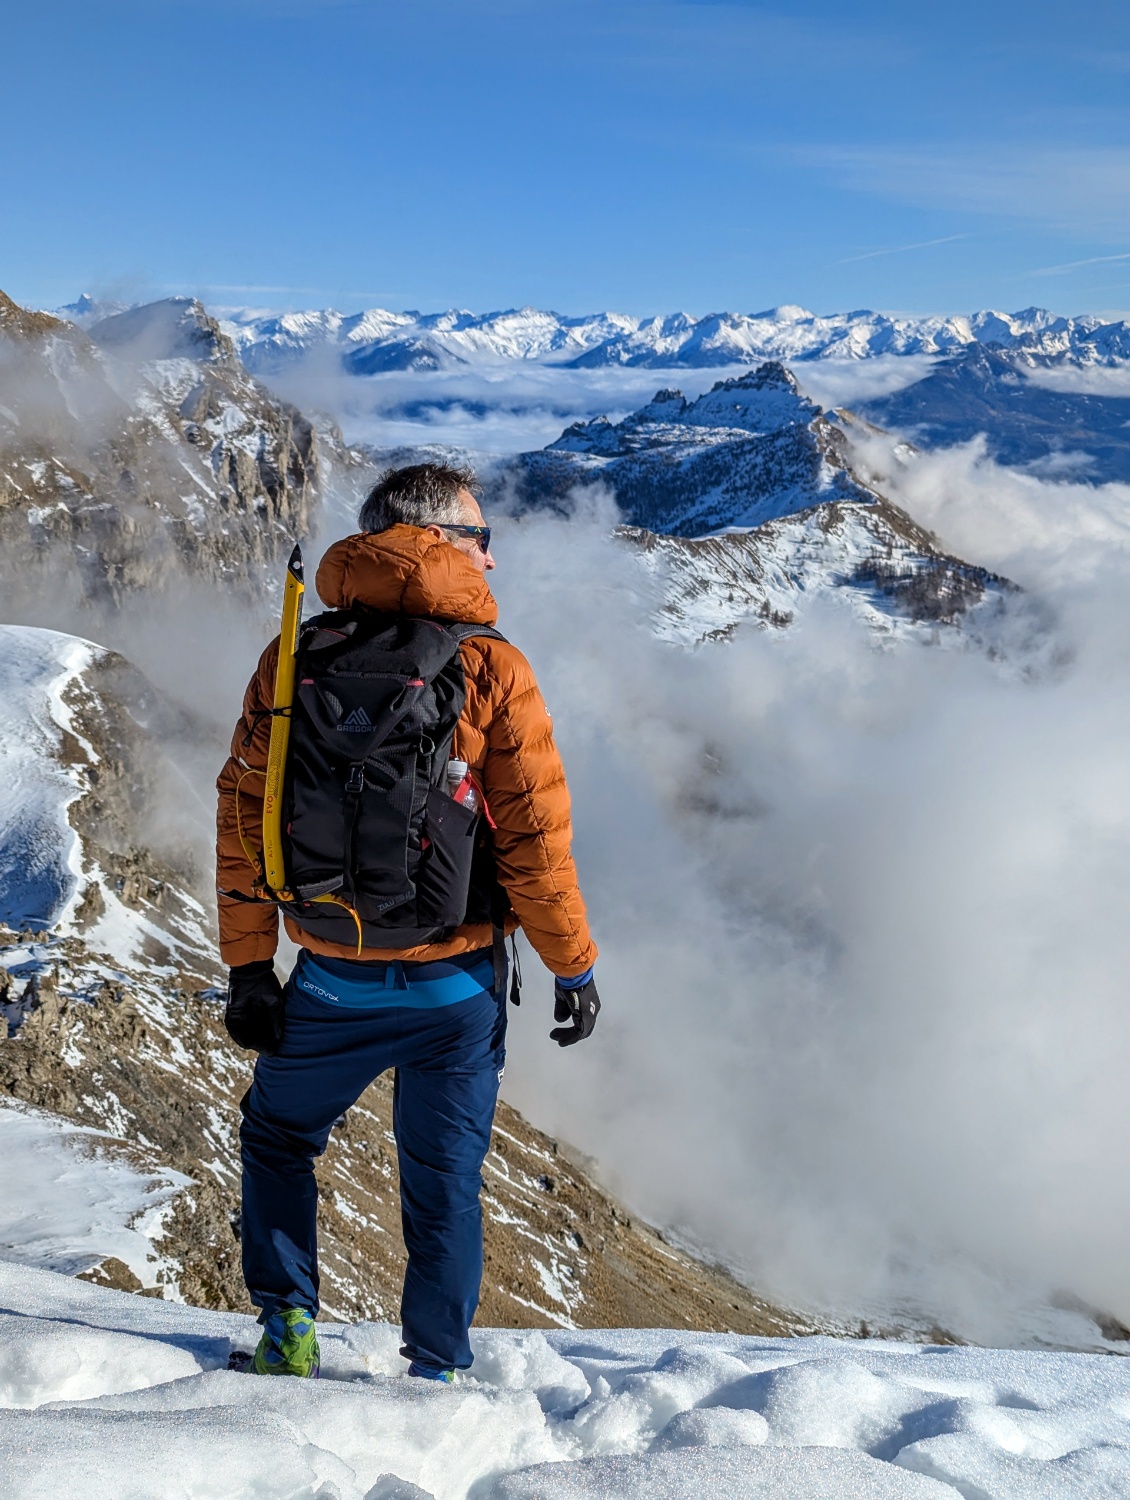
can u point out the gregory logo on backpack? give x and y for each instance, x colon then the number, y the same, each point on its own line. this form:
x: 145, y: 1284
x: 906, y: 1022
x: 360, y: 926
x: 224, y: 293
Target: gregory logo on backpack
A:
x: 358, y: 722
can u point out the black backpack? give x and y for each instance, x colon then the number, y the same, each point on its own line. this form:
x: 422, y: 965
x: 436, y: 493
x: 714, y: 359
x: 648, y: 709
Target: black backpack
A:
x: 377, y: 850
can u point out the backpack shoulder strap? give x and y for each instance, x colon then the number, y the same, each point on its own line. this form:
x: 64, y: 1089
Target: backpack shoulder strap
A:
x: 462, y: 631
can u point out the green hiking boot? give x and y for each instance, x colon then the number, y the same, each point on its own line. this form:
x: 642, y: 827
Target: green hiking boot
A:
x: 288, y: 1346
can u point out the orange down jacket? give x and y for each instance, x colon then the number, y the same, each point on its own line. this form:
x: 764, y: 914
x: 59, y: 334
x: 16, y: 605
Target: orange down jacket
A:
x: 505, y: 734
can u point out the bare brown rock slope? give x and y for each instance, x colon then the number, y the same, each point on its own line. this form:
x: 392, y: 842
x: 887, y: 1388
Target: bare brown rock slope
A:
x: 114, y: 1019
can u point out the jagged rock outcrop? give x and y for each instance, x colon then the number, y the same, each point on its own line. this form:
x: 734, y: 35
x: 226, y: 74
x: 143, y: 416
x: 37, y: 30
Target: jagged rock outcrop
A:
x: 749, y: 451
x: 142, y: 450
x: 747, y: 504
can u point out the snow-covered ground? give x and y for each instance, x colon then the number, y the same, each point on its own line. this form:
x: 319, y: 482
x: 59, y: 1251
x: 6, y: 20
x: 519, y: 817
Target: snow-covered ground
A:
x: 118, y: 1397
x: 114, y: 1396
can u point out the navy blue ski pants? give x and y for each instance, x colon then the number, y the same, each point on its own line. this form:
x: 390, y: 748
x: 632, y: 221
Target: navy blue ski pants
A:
x: 345, y: 1024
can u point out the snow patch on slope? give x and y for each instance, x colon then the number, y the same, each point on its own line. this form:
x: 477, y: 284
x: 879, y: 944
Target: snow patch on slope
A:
x: 67, y: 1204
x: 46, y: 764
x: 40, y: 856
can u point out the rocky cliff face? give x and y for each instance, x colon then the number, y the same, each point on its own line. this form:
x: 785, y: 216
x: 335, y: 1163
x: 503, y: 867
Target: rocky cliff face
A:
x: 142, y: 450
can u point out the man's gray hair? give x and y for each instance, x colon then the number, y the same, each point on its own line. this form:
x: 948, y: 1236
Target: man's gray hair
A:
x: 419, y: 495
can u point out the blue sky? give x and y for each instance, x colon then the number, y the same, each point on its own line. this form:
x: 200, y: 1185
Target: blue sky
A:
x: 573, y: 154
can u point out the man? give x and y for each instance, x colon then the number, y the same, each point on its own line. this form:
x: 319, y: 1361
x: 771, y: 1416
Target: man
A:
x: 436, y: 1013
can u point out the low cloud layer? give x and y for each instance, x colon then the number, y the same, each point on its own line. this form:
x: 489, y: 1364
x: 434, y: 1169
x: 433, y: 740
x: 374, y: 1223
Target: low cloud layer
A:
x: 863, y: 922
x: 517, y: 406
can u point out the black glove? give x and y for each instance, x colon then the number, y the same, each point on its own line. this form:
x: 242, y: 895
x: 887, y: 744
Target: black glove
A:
x: 255, y: 1013
x: 580, y: 1007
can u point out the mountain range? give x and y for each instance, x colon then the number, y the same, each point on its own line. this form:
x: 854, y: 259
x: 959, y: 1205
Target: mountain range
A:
x: 377, y: 341
x: 1000, y: 395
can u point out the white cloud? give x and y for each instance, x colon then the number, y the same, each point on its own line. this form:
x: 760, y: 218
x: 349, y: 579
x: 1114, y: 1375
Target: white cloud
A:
x: 1081, y: 189
x: 862, y: 918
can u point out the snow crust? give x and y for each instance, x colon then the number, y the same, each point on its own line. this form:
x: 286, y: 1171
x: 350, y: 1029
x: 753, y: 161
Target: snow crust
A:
x: 119, y: 1397
x: 68, y: 1204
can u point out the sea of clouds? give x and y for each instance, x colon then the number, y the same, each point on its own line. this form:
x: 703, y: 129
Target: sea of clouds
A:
x: 862, y: 915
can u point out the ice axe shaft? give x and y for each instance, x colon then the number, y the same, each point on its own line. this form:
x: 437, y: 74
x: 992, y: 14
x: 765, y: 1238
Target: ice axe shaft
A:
x: 274, y: 865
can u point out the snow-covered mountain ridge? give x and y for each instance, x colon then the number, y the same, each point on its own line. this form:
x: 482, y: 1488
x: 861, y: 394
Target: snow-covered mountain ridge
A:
x: 377, y: 340
x: 746, y: 503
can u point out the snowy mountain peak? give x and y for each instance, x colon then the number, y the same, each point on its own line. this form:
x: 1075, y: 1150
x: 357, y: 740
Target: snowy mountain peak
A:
x: 751, y: 449
x: 792, y: 312
x: 176, y: 328
x: 86, y: 310
x: 763, y: 400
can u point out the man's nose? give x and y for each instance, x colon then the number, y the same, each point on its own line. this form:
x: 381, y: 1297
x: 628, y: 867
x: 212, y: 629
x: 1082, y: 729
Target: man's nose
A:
x: 489, y: 564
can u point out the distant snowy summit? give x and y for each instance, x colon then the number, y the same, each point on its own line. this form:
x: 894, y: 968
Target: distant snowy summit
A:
x: 747, y: 504
x: 378, y: 341
x: 750, y: 450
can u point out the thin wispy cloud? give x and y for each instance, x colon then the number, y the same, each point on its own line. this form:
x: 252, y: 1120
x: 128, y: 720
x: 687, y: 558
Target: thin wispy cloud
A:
x: 947, y: 239
x: 237, y: 286
x: 1075, y: 265
x: 1080, y: 189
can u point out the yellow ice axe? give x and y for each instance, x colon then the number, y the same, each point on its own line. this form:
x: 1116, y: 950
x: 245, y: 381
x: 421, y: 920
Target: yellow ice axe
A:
x: 273, y: 862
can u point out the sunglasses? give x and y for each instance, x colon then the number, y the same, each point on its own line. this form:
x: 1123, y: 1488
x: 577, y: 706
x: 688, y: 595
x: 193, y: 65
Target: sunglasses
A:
x: 480, y: 533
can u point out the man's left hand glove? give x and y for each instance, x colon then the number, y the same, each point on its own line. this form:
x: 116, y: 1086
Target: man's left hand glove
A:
x: 578, y: 1006
x: 255, y: 1014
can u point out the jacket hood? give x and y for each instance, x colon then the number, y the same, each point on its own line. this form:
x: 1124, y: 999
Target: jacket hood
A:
x: 405, y: 570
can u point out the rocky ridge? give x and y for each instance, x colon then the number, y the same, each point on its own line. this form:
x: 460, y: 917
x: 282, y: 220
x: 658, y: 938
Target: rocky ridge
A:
x: 140, y: 450
x: 1011, y: 400
x: 748, y: 503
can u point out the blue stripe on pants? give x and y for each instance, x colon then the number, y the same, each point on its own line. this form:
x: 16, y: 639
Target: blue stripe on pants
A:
x: 447, y: 1059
